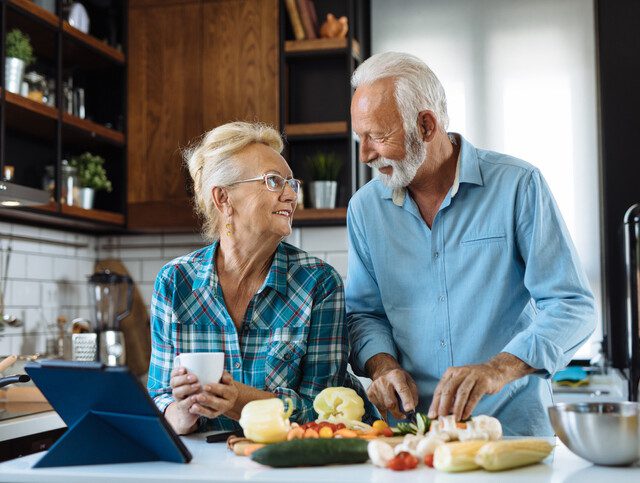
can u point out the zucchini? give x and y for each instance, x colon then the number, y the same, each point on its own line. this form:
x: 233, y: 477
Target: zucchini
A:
x: 312, y: 452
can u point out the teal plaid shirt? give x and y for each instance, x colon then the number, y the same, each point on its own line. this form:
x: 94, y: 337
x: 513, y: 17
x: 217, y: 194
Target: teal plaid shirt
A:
x: 293, y: 340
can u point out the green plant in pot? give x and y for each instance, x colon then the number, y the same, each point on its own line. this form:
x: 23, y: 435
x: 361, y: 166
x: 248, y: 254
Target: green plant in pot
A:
x: 325, y: 170
x: 18, y: 55
x: 92, y: 177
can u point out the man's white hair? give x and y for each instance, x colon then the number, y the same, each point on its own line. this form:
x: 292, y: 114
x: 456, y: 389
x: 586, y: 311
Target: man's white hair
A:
x: 416, y: 86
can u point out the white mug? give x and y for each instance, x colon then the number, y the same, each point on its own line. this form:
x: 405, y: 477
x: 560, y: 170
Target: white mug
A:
x: 207, y: 366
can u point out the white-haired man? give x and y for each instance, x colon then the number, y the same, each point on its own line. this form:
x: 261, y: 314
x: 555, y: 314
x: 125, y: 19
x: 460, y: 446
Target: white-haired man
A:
x: 464, y: 291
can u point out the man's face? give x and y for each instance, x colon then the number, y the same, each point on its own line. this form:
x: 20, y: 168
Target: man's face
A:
x: 384, y: 145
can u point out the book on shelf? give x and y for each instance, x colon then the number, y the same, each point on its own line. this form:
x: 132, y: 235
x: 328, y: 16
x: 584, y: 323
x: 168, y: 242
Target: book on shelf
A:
x: 311, y: 8
x: 307, y: 19
x: 294, y: 17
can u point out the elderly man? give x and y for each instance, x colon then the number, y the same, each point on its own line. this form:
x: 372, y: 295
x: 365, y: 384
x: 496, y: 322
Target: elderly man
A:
x: 464, y: 291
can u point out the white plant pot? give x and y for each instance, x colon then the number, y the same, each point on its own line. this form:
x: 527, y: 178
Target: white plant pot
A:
x: 13, y: 72
x: 323, y: 194
x: 86, y: 198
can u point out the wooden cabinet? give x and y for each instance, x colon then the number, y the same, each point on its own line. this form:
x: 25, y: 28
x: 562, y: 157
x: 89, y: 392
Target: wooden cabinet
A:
x: 37, y: 133
x: 194, y: 65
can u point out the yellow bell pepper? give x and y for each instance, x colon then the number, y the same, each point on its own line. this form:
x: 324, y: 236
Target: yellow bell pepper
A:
x: 339, y: 404
x: 265, y: 420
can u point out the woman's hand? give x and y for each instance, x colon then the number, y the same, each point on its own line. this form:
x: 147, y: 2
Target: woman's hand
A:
x: 184, y: 387
x: 216, y: 399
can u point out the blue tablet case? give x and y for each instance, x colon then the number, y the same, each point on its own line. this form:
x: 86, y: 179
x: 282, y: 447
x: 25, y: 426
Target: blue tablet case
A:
x: 109, y: 415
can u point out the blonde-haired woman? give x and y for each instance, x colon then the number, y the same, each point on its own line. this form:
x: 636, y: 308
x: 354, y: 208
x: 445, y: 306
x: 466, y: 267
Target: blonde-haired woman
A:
x: 276, y: 312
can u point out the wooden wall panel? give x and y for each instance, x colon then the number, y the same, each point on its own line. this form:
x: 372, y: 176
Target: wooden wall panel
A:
x: 240, y: 61
x: 165, y: 97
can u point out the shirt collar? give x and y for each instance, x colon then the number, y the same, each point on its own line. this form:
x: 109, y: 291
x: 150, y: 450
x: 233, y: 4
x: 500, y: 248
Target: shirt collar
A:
x: 207, y: 276
x: 467, y: 171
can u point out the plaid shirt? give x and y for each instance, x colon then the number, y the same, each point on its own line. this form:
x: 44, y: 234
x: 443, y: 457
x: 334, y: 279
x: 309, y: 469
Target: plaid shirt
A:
x: 293, y: 341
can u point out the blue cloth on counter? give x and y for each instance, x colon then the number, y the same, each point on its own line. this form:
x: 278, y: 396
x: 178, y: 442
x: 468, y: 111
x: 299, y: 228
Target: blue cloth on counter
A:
x: 497, y: 272
x: 572, y: 373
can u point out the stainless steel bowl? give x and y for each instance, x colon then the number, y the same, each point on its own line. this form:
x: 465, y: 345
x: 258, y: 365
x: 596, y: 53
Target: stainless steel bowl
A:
x: 603, y: 433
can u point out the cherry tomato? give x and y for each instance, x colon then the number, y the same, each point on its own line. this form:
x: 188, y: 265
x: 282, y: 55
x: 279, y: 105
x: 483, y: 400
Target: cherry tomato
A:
x: 403, y: 461
x: 428, y: 460
x: 387, y: 432
x: 339, y: 426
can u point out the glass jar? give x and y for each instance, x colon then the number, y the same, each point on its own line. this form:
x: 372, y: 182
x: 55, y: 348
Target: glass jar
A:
x: 70, y: 192
x: 36, y: 86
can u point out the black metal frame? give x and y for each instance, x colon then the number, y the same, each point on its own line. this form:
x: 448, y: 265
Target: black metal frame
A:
x: 59, y: 39
x: 358, y: 13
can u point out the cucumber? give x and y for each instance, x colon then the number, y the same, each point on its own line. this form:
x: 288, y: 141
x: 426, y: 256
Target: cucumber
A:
x: 312, y: 452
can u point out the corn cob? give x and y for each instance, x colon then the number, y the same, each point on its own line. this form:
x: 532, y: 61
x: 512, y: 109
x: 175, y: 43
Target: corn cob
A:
x: 457, y: 456
x: 505, y: 454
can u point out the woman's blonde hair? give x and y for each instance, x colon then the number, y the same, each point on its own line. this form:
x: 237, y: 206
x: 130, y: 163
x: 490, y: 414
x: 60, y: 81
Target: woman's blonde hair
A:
x: 211, y: 162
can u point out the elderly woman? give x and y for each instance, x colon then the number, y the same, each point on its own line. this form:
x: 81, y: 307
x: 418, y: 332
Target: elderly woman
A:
x: 276, y: 312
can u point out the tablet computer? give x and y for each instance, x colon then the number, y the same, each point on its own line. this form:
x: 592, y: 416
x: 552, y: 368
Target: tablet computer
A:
x: 110, y: 416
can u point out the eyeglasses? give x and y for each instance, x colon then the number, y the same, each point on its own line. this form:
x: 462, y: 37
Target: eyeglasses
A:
x: 274, y: 182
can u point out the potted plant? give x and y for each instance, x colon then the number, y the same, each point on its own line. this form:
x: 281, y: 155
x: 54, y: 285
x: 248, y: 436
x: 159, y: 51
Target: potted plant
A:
x: 325, y: 169
x: 19, y: 54
x: 92, y: 177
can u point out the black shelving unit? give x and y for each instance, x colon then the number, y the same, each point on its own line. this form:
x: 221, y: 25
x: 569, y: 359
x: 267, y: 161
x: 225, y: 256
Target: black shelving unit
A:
x: 315, y: 95
x: 34, y: 135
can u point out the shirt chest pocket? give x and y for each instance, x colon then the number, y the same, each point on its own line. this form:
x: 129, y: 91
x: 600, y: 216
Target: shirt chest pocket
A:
x: 491, y: 238
x: 283, y: 363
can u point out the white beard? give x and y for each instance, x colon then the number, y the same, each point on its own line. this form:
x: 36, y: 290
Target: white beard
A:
x: 403, y: 170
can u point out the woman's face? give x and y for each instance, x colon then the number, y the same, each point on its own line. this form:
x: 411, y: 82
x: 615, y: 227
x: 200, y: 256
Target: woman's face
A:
x: 257, y: 211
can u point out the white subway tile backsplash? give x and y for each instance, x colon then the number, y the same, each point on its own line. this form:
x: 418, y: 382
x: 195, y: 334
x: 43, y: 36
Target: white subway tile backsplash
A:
x: 324, y: 238
x: 338, y: 260
x: 65, y: 269
x: 39, y: 267
x: 23, y: 294
x: 47, y: 280
x: 150, y: 269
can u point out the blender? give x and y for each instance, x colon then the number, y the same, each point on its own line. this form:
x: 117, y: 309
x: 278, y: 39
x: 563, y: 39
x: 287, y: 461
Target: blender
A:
x: 112, y: 296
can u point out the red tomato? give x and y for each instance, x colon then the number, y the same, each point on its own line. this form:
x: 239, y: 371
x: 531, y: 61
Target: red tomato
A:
x: 339, y: 426
x: 403, y: 461
x: 387, y: 432
x: 428, y: 460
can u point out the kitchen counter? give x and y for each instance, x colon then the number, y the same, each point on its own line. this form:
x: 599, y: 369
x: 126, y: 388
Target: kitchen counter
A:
x: 213, y: 462
x: 27, y: 425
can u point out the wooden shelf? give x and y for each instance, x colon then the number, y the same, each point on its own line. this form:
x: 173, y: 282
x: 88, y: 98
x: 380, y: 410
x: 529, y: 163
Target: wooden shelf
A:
x: 27, y: 6
x: 89, y: 41
x: 93, y: 130
x: 320, y: 46
x: 95, y: 215
x: 316, y: 129
x: 312, y: 216
x: 31, y: 117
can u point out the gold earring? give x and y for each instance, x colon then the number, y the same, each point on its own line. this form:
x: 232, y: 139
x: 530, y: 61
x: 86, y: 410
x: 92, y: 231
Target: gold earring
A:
x: 229, y: 230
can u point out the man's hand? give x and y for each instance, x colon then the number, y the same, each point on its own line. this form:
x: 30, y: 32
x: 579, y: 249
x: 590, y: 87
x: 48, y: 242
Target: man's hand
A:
x: 390, y: 382
x: 461, y: 388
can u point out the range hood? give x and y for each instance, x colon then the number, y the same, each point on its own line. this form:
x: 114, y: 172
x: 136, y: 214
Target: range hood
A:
x: 12, y: 195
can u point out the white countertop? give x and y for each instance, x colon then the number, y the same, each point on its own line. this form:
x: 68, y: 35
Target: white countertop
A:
x: 28, y: 425
x: 213, y: 462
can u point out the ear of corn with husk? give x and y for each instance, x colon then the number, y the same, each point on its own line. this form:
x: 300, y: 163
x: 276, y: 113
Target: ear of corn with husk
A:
x: 457, y: 456
x: 505, y: 454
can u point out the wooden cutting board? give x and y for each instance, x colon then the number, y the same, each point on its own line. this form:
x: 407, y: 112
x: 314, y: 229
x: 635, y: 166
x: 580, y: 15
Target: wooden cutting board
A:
x: 135, y: 326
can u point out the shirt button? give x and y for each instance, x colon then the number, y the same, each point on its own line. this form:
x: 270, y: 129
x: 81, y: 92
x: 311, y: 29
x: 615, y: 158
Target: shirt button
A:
x: 442, y: 298
x: 443, y: 344
x: 436, y: 254
x: 237, y: 365
x: 287, y: 356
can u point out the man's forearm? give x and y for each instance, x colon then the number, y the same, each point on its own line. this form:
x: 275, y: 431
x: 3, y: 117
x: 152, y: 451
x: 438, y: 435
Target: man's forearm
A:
x: 510, y: 366
x: 380, y: 364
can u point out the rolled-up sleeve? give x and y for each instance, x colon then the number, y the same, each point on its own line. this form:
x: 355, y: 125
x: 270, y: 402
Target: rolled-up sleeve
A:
x: 565, y: 309
x: 162, y: 347
x: 369, y: 329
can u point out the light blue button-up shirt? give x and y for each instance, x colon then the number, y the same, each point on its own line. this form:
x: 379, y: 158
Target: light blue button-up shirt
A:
x: 497, y: 272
